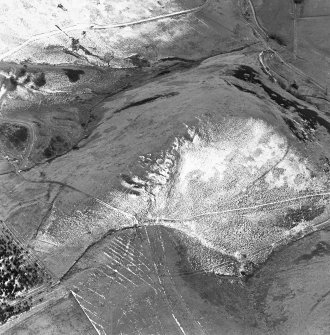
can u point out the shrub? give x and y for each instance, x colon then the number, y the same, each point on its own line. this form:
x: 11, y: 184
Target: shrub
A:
x: 277, y: 38
x: 39, y: 79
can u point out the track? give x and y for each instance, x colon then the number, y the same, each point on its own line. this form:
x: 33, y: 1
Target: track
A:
x: 158, y: 220
x: 255, y: 17
x: 101, y: 202
x: 260, y: 32
x: 295, y: 31
x: 313, y: 17
x: 234, y: 210
x: 101, y: 27
x: 32, y: 136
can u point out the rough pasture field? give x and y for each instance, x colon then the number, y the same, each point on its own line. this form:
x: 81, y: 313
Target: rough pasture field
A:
x: 303, y: 29
x: 314, y: 47
x: 275, y: 17
x: 315, y: 8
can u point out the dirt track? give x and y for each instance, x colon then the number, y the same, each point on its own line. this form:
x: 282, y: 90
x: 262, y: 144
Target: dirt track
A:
x: 102, y: 27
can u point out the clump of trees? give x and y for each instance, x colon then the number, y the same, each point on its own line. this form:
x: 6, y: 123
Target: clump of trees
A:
x: 108, y: 57
x: 61, y: 7
x: 22, y: 77
x: 38, y: 79
x: 9, y: 81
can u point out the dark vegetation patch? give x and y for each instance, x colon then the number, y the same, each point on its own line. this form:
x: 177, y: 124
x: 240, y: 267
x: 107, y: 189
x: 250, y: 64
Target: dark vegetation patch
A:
x: 246, y: 73
x: 325, y: 163
x: 178, y: 65
x: 294, y: 85
x: 23, y: 77
x: 241, y: 88
x: 76, y: 46
x: 128, y: 179
x: 321, y: 249
x: 166, y: 59
x: 294, y: 216
x: 18, y: 274
x: 162, y: 73
x: 10, y: 84
x: 310, y: 118
x: 62, y: 7
x: 20, y: 71
x: 139, y: 61
x: 14, y: 136
x: 133, y: 192
x: 73, y: 75
x: 144, y: 101
x: 39, y: 79
x: 205, y: 284
x: 277, y: 38
x: 57, y: 145
x: 71, y: 53
x: 227, y: 293
x: 299, y: 133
